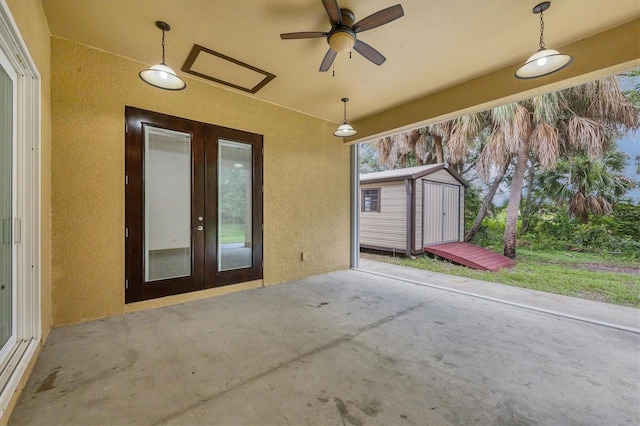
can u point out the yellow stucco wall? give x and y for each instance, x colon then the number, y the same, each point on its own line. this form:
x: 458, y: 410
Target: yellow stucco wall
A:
x: 32, y: 23
x: 89, y: 91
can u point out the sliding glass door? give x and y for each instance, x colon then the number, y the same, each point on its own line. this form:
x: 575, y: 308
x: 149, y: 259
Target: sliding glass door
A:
x: 7, y: 270
x: 20, y: 322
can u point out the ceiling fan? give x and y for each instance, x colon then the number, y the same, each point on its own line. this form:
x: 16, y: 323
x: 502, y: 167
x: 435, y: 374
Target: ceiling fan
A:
x: 342, y: 36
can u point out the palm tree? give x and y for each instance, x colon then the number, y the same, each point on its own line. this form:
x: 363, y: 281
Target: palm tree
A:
x: 582, y: 120
x: 588, y: 186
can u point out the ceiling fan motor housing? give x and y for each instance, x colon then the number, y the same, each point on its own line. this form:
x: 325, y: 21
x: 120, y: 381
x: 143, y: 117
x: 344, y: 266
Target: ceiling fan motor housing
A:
x: 342, y: 38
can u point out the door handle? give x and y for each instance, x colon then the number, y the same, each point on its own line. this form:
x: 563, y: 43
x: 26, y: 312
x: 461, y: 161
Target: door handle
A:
x: 199, y: 228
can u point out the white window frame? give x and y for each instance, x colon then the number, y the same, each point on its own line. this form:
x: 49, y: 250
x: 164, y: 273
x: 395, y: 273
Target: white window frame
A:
x: 26, y: 208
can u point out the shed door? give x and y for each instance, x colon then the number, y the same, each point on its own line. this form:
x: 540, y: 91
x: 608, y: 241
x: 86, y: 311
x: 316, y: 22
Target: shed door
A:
x: 441, y: 213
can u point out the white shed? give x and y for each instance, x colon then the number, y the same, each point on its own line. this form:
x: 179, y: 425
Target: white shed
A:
x: 405, y: 210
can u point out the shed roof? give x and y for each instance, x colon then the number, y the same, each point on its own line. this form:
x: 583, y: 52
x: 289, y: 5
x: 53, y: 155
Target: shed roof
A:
x: 410, y: 173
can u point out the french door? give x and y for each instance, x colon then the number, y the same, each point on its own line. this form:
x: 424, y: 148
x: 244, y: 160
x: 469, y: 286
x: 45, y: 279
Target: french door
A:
x: 193, y: 205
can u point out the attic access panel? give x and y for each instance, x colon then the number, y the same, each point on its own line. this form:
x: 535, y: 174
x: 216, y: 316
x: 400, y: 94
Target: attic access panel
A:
x: 223, y: 69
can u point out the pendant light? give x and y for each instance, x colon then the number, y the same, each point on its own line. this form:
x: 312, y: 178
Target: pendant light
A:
x: 345, y: 128
x: 238, y: 165
x: 544, y: 61
x: 161, y: 75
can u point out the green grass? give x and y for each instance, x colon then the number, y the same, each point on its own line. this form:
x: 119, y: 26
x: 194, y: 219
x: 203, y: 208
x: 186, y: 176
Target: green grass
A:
x: 232, y: 233
x: 588, y: 276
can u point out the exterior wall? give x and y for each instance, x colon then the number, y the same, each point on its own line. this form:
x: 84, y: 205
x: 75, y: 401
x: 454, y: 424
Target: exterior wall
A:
x: 90, y: 89
x: 386, y: 229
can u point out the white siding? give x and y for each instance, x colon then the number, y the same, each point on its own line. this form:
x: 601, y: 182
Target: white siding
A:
x: 386, y: 229
x: 442, y: 176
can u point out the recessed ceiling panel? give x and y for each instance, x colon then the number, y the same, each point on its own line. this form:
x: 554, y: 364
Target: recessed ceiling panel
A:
x: 223, y: 69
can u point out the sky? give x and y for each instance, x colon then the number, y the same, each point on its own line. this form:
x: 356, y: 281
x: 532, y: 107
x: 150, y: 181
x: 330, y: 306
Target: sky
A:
x: 630, y: 143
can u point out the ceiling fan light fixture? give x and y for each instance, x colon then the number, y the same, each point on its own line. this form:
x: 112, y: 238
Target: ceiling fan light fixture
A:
x: 341, y: 41
x: 161, y: 76
x: 345, y: 129
x: 544, y: 61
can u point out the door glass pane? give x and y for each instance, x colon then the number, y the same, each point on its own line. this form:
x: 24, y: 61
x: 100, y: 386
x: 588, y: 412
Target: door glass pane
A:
x: 6, y: 173
x: 167, y: 201
x: 234, y: 205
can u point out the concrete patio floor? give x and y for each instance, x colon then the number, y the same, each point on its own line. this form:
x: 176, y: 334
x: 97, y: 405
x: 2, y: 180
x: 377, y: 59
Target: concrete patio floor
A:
x: 345, y: 348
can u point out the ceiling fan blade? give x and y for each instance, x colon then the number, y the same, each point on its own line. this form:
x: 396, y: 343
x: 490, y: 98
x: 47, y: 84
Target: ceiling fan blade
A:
x: 333, y: 10
x: 369, y: 52
x: 328, y: 60
x: 308, y: 34
x: 381, y: 17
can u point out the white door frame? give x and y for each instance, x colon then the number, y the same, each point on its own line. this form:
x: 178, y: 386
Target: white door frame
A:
x: 26, y: 209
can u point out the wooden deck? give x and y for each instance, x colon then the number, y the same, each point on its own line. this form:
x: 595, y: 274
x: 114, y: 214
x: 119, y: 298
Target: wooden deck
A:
x: 472, y: 256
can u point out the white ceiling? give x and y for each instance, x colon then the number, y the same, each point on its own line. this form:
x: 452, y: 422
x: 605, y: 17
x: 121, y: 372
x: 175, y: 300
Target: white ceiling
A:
x: 437, y: 44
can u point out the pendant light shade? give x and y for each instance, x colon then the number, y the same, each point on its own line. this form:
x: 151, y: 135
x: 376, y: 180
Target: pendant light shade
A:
x: 345, y: 128
x: 544, y: 61
x: 161, y: 75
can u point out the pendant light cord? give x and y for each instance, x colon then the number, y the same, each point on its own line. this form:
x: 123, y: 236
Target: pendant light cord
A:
x: 345, y: 112
x: 541, y: 31
x: 163, y: 46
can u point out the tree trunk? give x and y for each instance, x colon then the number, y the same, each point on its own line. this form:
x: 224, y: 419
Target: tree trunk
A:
x: 528, y: 210
x: 585, y: 218
x: 486, y: 202
x: 515, y: 194
x: 437, y: 143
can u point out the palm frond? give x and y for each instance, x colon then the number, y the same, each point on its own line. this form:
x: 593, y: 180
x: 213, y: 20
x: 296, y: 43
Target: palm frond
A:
x: 464, y: 131
x: 586, y: 134
x: 546, y: 108
x: 383, y: 147
x: 611, y: 106
x: 578, y: 205
x: 544, y: 144
x: 494, y: 154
